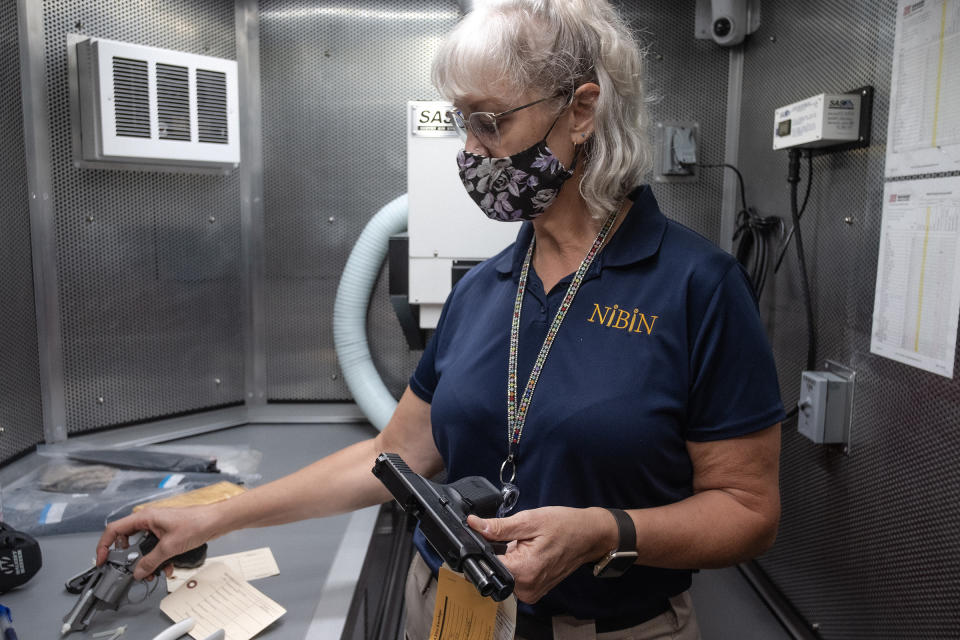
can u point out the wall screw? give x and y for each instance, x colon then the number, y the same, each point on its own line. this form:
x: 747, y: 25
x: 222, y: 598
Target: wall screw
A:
x: 773, y: 38
x: 216, y: 381
x: 848, y: 219
x: 89, y: 218
x: 815, y: 626
x: 333, y: 376
x: 211, y: 219
x: 100, y: 400
x: 330, y: 219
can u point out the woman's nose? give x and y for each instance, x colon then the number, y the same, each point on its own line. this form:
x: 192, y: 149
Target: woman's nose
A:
x: 473, y: 145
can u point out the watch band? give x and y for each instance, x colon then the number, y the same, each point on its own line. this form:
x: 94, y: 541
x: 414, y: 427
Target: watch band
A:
x: 628, y: 532
x: 618, y: 560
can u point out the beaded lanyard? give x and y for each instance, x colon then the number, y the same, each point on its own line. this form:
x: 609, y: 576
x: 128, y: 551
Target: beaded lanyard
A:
x: 517, y: 415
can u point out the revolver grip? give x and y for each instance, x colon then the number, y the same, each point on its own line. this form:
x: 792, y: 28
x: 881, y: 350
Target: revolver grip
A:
x: 190, y: 559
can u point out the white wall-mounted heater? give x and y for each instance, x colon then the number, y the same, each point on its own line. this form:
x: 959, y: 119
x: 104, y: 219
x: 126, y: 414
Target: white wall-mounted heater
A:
x: 142, y: 104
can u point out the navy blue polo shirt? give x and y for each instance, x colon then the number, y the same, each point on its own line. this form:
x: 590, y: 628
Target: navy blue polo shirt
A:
x: 662, y: 344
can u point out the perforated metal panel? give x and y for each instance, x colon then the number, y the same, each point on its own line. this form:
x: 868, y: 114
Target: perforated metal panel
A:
x: 336, y: 77
x: 868, y: 544
x: 148, y: 263
x: 335, y: 81
x: 20, y: 403
x: 686, y: 81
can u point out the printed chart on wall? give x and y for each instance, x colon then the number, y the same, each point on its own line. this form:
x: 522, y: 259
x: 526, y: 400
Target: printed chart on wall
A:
x: 917, y: 301
x: 924, y: 129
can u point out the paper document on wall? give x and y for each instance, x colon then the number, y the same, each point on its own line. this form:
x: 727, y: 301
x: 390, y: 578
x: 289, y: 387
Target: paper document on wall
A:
x: 917, y: 301
x: 218, y: 599
x: 923, y: 134
x: 249, y: 565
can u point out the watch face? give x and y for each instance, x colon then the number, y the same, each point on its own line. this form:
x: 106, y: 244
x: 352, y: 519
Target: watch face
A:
x: 615, y: 564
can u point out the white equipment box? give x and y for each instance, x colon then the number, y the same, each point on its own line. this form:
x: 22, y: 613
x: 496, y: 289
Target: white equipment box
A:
x: 444, y: 225
x: 821, y: 121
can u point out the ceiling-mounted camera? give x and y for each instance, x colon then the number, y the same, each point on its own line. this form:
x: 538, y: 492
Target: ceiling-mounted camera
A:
x: 727, y: 22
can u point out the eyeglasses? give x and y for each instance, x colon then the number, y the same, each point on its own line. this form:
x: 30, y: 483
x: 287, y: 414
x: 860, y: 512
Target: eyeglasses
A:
x: 483, y: 124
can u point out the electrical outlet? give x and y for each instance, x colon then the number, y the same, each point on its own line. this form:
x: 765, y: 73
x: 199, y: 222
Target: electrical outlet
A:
x: 675, y: 151
x: 824, y: 407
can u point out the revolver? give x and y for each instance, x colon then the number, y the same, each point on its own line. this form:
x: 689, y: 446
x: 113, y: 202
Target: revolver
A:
x: 107, y: 586
x: 442, y: 511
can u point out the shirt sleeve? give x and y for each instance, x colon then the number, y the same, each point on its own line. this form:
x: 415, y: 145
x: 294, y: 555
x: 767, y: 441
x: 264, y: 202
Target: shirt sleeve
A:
x: 423, y: 382
x: 425, y: 377
x: 734, y: 389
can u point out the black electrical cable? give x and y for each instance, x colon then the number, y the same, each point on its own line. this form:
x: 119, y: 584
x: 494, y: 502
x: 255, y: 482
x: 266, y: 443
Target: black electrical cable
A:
x: 793, y: 178
x: 754, y: 235
x: 803, y: 207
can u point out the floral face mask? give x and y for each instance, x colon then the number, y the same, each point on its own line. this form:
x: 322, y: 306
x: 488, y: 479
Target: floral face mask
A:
x: 519, y: 187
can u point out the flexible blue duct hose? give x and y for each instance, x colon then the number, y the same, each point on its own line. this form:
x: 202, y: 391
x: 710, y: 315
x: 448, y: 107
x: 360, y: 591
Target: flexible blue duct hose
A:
x: 350, y: 313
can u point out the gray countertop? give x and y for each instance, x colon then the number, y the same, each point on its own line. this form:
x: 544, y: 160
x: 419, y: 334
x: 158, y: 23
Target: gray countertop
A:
x: 305, y: 551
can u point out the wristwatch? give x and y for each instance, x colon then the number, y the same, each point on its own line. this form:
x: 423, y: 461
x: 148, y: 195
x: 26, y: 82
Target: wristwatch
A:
x: 618, y: 560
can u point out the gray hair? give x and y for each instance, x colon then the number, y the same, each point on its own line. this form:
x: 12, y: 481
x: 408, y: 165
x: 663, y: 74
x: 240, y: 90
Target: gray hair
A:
x: 551, y: 47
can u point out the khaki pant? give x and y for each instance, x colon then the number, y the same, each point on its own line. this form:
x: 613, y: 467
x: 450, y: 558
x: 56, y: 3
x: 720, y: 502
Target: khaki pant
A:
x: 678, y: 623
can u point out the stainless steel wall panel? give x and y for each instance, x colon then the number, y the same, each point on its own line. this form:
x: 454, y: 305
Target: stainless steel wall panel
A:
x: 686, y: 81
x: 335, y: 79
x: 20, y: 403
x: 148, y: 263
x: 867, y: 545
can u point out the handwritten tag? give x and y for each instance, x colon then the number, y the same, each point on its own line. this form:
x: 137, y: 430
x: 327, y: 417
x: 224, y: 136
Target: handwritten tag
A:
x: 218, y: 599
x: 461, y: 613
x: 248, y: 565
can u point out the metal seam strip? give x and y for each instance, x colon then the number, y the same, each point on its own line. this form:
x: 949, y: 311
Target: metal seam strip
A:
x: 728, y: 211
x: 251, y: 199
x: 36, y: 126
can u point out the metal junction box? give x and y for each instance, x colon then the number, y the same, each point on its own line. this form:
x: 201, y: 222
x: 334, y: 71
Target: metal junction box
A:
x: 823, y: 120
x: 824, y: 406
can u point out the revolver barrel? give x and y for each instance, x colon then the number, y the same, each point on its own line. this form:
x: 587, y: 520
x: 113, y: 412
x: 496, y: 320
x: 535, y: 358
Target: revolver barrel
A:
x: 81, y: 614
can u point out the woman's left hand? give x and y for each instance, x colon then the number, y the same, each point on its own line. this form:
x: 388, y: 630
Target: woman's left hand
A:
x: 548, y: 544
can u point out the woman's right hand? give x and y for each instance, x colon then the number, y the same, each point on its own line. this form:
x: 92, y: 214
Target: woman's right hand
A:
x: 177, y: 529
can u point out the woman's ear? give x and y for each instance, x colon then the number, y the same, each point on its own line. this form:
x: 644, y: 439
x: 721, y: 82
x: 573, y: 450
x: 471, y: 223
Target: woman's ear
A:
x: 582, y: 111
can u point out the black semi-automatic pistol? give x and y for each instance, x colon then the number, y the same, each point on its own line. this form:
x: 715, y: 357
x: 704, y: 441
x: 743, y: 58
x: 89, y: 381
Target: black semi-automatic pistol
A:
x: 442, y: 511
x: 108, y: 586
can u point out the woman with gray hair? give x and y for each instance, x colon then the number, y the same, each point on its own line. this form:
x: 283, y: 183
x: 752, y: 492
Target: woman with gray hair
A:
x: 608, y: 371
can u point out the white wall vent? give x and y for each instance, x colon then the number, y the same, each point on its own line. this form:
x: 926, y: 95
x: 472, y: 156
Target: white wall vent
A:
x: 146, y: 105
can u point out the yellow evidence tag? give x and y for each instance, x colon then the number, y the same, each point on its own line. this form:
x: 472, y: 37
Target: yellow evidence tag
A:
x: 461, y: 613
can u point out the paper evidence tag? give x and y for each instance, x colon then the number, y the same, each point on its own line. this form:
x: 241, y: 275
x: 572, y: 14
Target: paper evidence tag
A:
x: 461, y: 613
x: 219, y: 599
x: 248, y: 565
